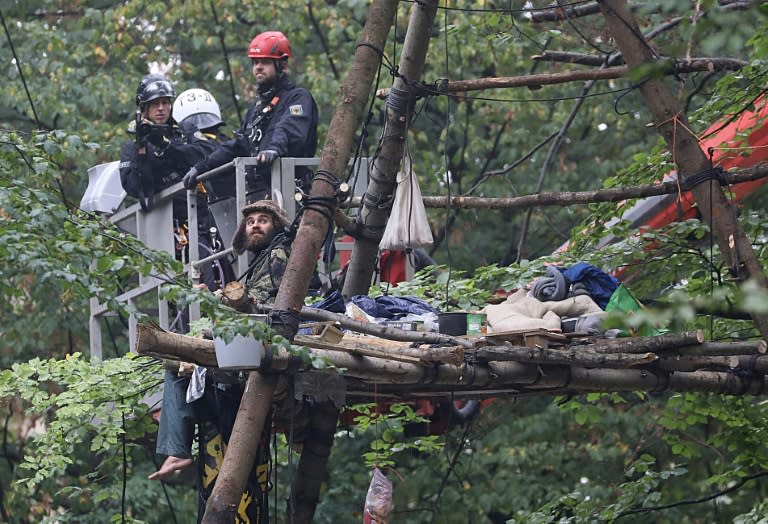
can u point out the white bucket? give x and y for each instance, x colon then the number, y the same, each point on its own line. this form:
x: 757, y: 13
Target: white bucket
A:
x: 241, y: 353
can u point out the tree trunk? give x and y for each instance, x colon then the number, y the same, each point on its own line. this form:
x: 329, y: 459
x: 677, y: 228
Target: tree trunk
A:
x: 691, y: 161
x: 305, y: 491
x: 383, y: 180
x: 335, y: 155
x: 315, y: 222
x: 221, y: 507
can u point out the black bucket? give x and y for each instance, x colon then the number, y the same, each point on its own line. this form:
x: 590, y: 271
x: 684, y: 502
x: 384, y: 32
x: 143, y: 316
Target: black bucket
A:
x: 452, y: 323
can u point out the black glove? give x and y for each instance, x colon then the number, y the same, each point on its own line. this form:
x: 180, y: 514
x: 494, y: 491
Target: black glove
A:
x: 190, y: 179
x: 266, y: 157
x: 159, y: 136
x: 143, y: 130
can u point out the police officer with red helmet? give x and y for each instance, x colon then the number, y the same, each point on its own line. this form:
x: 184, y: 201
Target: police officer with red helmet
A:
x: 281, y: 122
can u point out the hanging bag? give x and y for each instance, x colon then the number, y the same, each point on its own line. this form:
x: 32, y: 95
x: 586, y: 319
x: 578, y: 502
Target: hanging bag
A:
x: 408, y: 225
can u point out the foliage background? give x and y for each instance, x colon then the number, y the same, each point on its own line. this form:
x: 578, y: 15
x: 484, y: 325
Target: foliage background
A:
x: 69, y: 72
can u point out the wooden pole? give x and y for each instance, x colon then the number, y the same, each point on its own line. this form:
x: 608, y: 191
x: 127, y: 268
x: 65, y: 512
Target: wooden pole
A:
x: 665, y: 342
x: 564, y: 198
x: 562, y: 356
x: 315, y: 222
x: 609, y: 73
x: 745, y: 347
x: 383, y: 180
x: 255, y: 405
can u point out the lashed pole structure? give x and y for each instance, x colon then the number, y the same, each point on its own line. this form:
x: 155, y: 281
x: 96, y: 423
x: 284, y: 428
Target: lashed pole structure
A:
x: 259, y: 390
x: 694, y: 169
x: 377, y: 203
x: 669, y: 362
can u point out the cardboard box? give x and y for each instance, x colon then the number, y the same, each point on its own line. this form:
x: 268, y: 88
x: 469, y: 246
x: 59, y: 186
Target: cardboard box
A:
x: 476, y: 324
x: 405, y: 326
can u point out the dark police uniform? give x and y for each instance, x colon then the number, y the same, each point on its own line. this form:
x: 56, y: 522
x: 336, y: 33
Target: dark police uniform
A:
x: 169, y: 154
x: 283, y: 119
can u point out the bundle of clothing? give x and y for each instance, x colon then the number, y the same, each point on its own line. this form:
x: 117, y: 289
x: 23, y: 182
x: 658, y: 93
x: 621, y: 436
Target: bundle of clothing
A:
x: 578, y: 294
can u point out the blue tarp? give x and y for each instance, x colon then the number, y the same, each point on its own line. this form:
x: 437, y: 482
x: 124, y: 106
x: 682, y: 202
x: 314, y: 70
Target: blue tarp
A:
x: 392, y: 307
x: 598, y: 284
x: 334, y: 302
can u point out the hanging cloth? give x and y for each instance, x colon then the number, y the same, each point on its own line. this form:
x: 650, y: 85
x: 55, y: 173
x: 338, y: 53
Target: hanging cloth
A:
x: 408, y: 225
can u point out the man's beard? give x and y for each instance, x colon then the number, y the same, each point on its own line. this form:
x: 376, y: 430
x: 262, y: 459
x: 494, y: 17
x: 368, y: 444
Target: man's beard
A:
x: 256, y: 245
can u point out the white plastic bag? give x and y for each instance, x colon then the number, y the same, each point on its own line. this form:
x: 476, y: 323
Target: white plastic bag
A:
x: 378, y: 500
x: 196, y: 386
x: 408, y: 225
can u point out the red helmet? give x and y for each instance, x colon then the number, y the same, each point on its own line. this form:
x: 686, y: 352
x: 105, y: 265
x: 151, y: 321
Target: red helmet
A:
x: 270, y: 44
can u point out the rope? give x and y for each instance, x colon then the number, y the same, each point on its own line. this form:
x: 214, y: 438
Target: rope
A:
x: 663, y: 382
x: 284, y: 318
x: 379, y: 202
x: 397, y: 100
x: 747, y: 375
x: 323, y: 205
x: 323, y: 175
x: 714, y: 173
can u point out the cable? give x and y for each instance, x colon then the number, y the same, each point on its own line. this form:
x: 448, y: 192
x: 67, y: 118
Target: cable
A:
x: 699, y: 500
x: 634, y: 30
x: 125, y: 469
x: 165, y: 490
x: 219, y: 33
x: 18, y: 68
x: 446, y: 160
x: 215, y: 262
x: 586, y: 39
x: 500, y: 10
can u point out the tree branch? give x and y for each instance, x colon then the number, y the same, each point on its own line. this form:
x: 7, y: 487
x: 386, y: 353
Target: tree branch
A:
x: 558, y: 198
x: 564, y: 13
x: 669, y: 67
x: 569, y: 57
x: 553, y: 148
x: 687, y: 502
x: 323, y: 42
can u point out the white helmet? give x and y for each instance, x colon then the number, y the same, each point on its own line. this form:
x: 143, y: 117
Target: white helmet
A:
x: 196, y: 109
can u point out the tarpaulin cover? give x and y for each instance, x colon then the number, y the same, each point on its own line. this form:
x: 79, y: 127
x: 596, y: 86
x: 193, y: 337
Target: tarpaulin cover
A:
x: 392, y: 307
x: 623, y: 300
x: 334, y: 302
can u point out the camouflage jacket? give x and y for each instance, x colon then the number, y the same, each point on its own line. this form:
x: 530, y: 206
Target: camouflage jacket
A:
x: 266, y: 271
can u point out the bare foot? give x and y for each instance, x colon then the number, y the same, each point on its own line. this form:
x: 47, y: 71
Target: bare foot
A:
x: 171, y: 466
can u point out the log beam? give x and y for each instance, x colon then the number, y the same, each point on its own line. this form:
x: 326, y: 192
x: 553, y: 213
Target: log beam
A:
x: 534, y: 371
x: 562, y: 356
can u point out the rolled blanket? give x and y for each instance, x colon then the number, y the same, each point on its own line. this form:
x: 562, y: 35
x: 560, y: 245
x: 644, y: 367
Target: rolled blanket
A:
x: 554, y: 286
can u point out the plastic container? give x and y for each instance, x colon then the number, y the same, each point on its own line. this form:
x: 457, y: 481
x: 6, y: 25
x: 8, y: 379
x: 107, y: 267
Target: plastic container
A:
x: 241, y: 353
x: 454, y: 323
